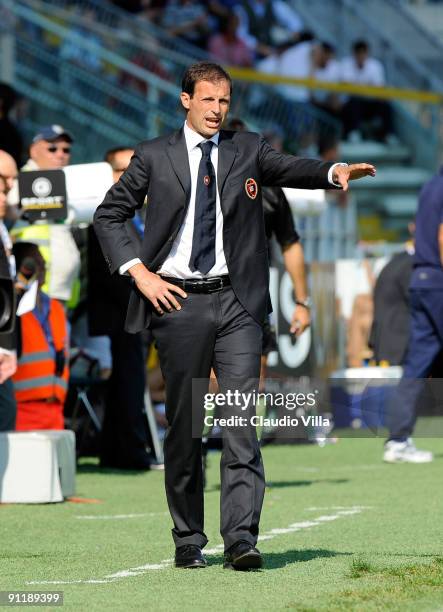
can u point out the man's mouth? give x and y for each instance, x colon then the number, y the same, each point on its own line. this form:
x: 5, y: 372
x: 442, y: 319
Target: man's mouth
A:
x: 213, y: 122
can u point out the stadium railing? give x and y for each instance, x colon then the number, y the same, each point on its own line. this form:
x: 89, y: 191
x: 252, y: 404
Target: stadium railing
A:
x: 142, y: 45
x: 341, y: 22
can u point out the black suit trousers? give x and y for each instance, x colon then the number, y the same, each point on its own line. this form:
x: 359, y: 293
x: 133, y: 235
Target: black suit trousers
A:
x: 210, y: 330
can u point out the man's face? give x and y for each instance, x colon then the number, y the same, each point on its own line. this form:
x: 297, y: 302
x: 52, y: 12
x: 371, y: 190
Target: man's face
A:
x: 120, y: 162
x: 208, y: 107
x: 50, y: 155
x: 8, y: 169
x: 361, y: 56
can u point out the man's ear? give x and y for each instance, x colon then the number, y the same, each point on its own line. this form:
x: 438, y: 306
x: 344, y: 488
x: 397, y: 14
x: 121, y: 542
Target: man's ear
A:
x: 185, y: 99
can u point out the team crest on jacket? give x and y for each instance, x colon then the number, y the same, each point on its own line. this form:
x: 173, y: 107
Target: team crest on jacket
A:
x: 251, y: 188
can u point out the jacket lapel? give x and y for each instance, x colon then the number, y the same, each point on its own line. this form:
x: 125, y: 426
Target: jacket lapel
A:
x: 178, y: 156
x: 227, y: 151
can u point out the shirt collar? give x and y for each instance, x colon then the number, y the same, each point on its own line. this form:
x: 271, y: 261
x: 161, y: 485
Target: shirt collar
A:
x: 193, y: 139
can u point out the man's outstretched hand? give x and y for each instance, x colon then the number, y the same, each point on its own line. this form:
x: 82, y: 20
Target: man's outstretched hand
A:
x: 343, y: 174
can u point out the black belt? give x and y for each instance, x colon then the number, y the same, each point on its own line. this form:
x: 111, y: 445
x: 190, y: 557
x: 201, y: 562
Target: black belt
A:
x: 200, y: 285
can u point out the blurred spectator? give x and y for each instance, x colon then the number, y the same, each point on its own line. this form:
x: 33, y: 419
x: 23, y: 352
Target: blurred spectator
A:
x: 148, y: 61
x: 295, y: 110
x: 294, y: 62
x: 5, y: 240
x: 362, y: 69
x: 360, y: 321
x: 51, y: 149
x: 267, y: 23
x: 151, y: 10
x: 227, y: 47
x: 8, y: 169
x: 41, y: 380
x: 10, y: 138
x: 84, y: 28
x: 132, y: 6
x: 187, y: 19
x: 326, y: 68
x: 125, y: 433
x: 390, y: 328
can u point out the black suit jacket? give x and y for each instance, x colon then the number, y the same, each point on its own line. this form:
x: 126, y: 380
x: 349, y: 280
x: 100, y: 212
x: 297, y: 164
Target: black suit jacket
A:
x: 160, y: 170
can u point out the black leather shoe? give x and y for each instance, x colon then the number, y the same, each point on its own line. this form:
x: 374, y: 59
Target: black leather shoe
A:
x: 243, y: 556
x: 189, y: 556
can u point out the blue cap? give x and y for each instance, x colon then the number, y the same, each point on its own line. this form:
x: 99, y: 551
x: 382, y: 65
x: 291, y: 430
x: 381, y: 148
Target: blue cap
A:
x: 52, y: 132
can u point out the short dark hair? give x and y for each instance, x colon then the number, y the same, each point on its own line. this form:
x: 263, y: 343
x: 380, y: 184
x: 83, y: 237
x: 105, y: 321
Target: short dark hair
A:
x: 22, y: 250
x: 360, y: 45
x: 203, y: 71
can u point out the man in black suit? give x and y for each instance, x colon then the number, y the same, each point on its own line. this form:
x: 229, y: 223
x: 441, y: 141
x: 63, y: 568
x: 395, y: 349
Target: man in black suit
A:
x: 201, y: 285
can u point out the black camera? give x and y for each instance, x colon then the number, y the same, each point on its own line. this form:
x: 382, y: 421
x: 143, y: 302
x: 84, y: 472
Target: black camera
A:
x: 7, y: 306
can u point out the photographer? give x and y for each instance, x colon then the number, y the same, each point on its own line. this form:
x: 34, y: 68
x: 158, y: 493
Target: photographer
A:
x: 41, y: 379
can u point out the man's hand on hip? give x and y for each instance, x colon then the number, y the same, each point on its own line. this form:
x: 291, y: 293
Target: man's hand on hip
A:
x: 343, y: 174
x: 157, y: 290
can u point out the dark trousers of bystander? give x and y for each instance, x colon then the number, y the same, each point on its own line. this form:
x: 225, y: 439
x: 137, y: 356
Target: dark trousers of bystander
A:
x: 425, y: 345
x: 359, y: 110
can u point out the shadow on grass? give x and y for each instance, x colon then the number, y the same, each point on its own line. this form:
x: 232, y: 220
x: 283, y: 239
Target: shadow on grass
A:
x: 278, y: 560
x: 94, y: 468
x: 24, y: 555
x: 281, y: 484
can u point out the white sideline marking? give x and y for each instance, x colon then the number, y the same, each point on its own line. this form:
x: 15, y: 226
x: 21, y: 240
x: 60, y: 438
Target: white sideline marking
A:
x: 106, y: 517
x: 142, y: 569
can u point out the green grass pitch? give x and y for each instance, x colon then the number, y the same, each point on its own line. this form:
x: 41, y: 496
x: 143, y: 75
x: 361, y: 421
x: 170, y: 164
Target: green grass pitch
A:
x: 343, y: 531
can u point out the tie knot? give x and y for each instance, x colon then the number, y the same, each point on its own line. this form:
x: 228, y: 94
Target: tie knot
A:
x: 206, y: 147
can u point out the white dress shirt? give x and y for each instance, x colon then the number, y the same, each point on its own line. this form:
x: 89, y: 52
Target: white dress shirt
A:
x: 331, y: 73
x: 371, y: 73
x: 177, y: 262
